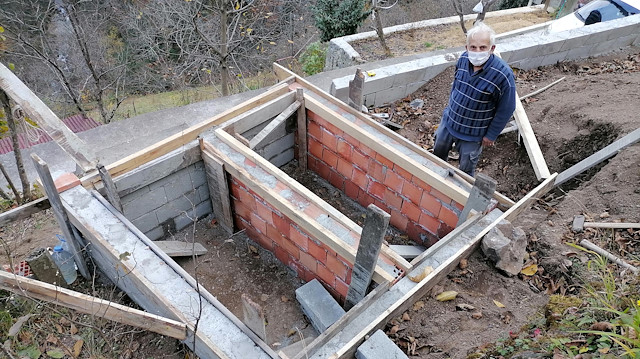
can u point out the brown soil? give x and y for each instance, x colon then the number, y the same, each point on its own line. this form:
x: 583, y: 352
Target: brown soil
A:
x: 440, y: 37
x: 594, y: 105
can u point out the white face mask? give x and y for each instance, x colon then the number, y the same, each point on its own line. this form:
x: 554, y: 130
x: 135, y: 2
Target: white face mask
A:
x: 478, y: 58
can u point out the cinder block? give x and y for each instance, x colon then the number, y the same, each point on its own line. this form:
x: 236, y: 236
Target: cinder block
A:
x: 390, y: 95
x: 198, y: 175
x: 318, y: 305
x: 186, y: 202
x: 186, y: 218
x: 175, y: 184
x: 155, y: 233
x: 146, y: 203
x: 379, y: 346
x: 146, y: 222
x: 202, y: 193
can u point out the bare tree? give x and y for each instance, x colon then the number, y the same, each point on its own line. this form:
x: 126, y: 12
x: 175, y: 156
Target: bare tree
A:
x: 26, y: 187
x: 485, y: 6
x: 376, y: 7
x: 458, y: 7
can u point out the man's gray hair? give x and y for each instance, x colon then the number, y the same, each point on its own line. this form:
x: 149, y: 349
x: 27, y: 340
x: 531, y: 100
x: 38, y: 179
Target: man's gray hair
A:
x: 481, y: 28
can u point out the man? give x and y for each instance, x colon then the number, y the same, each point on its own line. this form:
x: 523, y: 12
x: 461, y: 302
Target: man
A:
x: 482, y: 100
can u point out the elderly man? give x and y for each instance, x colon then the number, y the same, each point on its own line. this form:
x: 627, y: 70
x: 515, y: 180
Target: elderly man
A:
x: 482, y: 100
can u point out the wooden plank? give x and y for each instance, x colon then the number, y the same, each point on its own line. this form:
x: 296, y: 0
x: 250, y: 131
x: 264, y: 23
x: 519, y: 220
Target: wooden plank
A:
x: 611, y: 225
x: 254, y: 117
x: 109, y: 187
x: 302, y: 130
x: 308, y: 195
x: 61, y: 215
x: 355, y: 91
x: 187, y: 277
x: 391, y: 153
x: 181, y: 249
x: 128, y: 278
x: 529, y: 138
x: 262, y: 138
x: 373, y: 232
x: 337, y: 327
x: 605, y: 153
x: 25, y: 210
x: 281, y: 72
x: 170, y: 143
x: 37, y: 111
x: 303, y: 220
x: 94, y: 306
x: 218, y: 189
x: 253, y: 316
x: 423, y: 287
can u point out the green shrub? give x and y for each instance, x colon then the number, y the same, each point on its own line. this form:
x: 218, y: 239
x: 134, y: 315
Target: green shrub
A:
x: 510, y: 4
x: 335, y: 18
x: 312, y: 59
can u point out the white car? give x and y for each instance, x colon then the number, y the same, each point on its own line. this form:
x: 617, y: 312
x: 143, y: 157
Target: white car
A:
x: 596, y: 11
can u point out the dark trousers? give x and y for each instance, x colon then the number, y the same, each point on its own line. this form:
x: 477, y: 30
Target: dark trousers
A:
x: 469, y: 151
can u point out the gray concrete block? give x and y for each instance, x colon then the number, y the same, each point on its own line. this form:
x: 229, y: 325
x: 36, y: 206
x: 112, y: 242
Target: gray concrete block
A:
x: 318, y: 305
x: 155, y: 233
x: 185, y: 202
x: 202, y: 193
x: 144, y: 204
x: 146, y: 222
x: 133, y: 196
x: 277, y: 147
x: 580, y: 52
x: 186, y: 218
x: 409, y: 75
x: 370, y: 99
x: 198, y: 175
x: 379, y: 346
x: 175, y: 184
x: 552, y: 59
x: 381, y: 81
x: 283, y: 158
x: 389, y: 95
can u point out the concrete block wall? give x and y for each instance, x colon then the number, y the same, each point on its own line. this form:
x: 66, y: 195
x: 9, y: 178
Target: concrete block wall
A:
x: 279, y: 234
x: 167, y: 194
x: 525, y: 51
x: 341, y: 54
x: 423, y: 212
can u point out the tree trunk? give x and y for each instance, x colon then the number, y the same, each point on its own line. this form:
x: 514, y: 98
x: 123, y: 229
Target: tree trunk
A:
x: 26, y: 188
x: 485, y: 5
x: 458, y: 8
x: 375, y: 13
x: 224, y: 51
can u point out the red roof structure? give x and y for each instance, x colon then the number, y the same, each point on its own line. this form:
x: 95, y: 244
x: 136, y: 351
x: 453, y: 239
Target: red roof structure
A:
x: 76, y: 123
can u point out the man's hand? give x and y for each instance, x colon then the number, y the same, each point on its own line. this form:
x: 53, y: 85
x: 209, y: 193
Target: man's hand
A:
x: 487, y: 142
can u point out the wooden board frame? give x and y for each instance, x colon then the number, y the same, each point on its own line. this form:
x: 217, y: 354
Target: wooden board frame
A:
x: 173, y: 142
x: 259, y: 114
x: 310, y: 196
x: 443, y: 182
x: 279, y: 203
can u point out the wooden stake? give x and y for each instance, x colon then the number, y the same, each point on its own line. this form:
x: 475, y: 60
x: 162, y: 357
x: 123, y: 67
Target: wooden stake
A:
x: 585, y: 243
x: 61, y: 215
x: 373, y: 231
x: 302, y: 129
x: 109, y: 187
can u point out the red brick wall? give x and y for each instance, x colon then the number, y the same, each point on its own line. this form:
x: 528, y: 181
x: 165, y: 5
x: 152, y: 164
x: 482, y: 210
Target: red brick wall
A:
x: 368, y: 177
x: 294, y: 247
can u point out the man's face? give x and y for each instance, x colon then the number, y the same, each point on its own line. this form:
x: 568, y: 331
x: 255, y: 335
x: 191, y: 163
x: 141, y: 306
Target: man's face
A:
x: 480, y: 42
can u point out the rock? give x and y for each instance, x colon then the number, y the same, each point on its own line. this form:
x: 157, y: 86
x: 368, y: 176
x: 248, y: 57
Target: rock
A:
x: 417, y: 104
x: 505, y: 245
x: 476, y: 315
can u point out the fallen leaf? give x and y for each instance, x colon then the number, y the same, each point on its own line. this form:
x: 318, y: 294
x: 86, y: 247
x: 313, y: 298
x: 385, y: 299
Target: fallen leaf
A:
x: 425, y: 272
x: 476, y: 315
x: 604, y: 215
x: 418, y: 305
x: 77, y: 347
x: 52, y: 339
x: 253, y: 249
x: 448, y: 295
x: 73, y: 330
x: 284, y: 299
x: 264, y: 297
x: 464, y: 263
x: 530, y: 270
x: 291, y: 332
x: 602, y: 326
x: 463, y: 306
x: 498, y: 304
x: 56, y: 353
x: 15, y: 328
x: 406, y: 317
x: 228, y: 240
x: 394, y: 329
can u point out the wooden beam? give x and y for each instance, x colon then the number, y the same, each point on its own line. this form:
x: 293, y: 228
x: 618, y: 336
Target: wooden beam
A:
x: 605, y: 153
x: 61, y: 215
x: 218, y: 188
x: 172, y: 142
x: 94, y: 306
x: 336, y: 327
x: 303, y: 220
x: 281, y: 72
x: 263, y: 136
x: 422, y: 288
x: 46, y: 119
x: 529, y: 138
x: 302, y: 130
x: 405, y: 162
x: 611, y: 225
x: 256, y: 116
x: 24, y: 211
x: 310, y: 196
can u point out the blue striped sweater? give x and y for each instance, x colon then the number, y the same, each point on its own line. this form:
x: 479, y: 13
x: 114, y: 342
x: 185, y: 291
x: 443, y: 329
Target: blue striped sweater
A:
x: 481, y: 103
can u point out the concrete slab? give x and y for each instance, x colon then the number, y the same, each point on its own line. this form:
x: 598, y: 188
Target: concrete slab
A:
x: 379, y: 346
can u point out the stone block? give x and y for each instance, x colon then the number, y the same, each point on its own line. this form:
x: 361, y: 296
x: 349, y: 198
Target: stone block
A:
x: 186, y: 218
x: 198, y: 174
x: 175, y: 184
x: 379, y: 346
x: 318, y: 305
x: 389, y: 95
x: 185, y: 202
x: 155, y: 233
x: 202, y: 193
x: 506, y: 246
x: 553, y: 59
